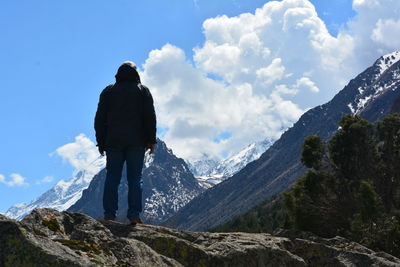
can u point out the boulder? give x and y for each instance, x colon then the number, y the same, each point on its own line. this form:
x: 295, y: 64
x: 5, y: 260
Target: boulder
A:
x: 47, y: 237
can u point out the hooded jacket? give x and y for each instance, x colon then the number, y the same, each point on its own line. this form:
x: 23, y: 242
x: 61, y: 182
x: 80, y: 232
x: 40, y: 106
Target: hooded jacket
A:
x: 125, y: 114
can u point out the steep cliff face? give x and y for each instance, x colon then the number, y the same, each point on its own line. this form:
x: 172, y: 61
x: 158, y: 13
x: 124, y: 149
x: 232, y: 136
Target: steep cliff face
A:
x: 371, y: 94
x: 167, y: 186
x: 47, y: 237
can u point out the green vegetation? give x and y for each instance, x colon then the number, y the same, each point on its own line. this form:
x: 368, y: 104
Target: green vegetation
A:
x: 52, y: 224
x: 352, y: 188
x: 356, y: 193
x: 80, y: 245
x: 264, y: 218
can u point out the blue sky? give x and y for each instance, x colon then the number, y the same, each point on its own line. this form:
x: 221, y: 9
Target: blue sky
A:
x: 57, y: 56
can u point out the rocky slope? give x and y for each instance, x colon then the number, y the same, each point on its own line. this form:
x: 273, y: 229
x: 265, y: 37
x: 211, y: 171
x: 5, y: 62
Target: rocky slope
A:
x: 48, y: 237
x: 167, y: 186
x: 371, y: 94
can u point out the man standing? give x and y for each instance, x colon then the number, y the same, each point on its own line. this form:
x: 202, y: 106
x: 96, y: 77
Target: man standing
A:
x: 125, y: 125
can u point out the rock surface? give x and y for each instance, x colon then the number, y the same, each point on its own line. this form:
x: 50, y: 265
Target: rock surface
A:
x: 47, y: 237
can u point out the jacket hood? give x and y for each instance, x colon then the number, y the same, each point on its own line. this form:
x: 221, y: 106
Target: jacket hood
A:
x: 127, y: 72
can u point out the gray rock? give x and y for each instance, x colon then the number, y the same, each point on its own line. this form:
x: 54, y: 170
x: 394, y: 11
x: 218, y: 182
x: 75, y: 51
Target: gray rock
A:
x: 47, y: 237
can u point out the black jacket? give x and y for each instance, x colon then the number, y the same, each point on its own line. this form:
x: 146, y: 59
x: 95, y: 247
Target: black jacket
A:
x: 125, y: 116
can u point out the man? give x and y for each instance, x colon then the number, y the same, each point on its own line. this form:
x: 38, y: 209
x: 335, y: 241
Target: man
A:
x: 125, y: 125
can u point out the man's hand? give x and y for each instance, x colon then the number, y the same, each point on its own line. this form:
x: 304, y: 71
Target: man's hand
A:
x: 101, y: 150
x: 152, y: 147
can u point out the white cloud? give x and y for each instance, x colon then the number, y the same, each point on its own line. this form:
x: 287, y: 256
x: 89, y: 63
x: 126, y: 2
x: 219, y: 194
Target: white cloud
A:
x: 387, y: 32
x: 305, y: 82
x: 274, y: 72
x: 80, y: 154
x: 196, y: 108
x: 283, y: 89
x: 257, y: 72
x: 46, y: 179
x: 373, y: 18
x: 15, y: 180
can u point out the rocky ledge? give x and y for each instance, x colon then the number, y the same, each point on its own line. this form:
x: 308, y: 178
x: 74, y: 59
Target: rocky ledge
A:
x: 50, y: 238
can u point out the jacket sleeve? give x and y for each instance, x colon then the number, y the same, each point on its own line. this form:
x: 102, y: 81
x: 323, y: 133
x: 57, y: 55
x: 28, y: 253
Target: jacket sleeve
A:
x: 149, y: 122
x: 100, y: 120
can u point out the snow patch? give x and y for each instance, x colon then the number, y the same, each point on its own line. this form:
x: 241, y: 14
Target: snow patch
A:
x: 388, y: 60
x: 353, y: 111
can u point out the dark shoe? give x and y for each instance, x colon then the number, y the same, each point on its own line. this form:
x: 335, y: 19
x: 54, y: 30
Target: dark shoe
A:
x: 136, y: 221
x: 109, y: 218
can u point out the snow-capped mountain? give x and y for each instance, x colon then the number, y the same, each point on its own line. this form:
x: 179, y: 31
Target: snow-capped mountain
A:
x: 168, y: 185
x: 235, y: 163
x: 373, y: 94
x: 62, y: 195
x: 202, y: 166
x: 217, y: 172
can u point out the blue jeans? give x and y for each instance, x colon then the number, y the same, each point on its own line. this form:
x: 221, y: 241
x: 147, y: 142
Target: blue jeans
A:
x: 134, y: 164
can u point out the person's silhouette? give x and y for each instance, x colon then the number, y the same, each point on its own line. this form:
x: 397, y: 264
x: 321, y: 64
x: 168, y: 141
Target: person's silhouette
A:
x: 125, y: 125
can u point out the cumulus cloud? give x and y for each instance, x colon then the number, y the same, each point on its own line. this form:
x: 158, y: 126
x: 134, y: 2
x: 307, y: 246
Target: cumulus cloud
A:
x: 196, y: 108
x: 15, y: 180
x: 256, y: 73
x: 80, y: 154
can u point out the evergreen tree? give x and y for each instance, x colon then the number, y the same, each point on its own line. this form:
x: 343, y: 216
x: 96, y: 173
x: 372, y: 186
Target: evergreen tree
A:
x: 313, y: 151
x: 357, y: 195
x: 388, y: 184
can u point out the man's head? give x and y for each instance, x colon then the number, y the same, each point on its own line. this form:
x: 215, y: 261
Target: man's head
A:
x: 127, y: 72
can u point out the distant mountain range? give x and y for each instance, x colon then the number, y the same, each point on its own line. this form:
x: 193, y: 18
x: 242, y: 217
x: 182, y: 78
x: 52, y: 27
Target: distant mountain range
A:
x: 168, y: 185
x: 160, y: 202
x: 62, y: 195
x: 372, y: 94
x: 210, y: 172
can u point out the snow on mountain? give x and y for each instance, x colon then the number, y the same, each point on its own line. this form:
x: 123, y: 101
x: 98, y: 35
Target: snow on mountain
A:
x: 202, y: 166
x: 62, y: 195
x: 387, y: 61
x: 168, y: 185
x: 65, y: 193
x: 235, y: 163
x: 367, y: 92
x: 230, y: 166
